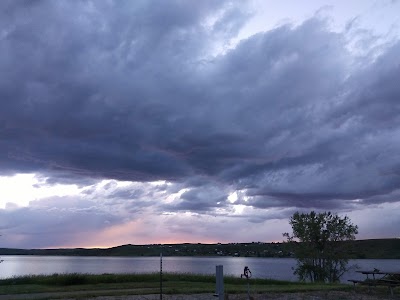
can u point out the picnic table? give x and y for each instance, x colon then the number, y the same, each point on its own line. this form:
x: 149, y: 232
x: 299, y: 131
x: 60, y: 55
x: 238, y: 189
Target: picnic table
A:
x: 379, y: 278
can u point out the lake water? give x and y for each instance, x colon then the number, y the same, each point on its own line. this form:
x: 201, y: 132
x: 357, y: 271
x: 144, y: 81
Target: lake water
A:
x: 276, y: 268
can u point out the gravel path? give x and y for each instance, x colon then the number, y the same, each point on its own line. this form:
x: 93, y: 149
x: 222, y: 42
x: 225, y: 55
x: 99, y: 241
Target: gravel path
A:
x: 275, y: 296
x: 316, y: 295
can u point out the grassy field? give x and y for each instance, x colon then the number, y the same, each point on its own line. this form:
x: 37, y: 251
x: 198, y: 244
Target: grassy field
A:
x: 115, y: 284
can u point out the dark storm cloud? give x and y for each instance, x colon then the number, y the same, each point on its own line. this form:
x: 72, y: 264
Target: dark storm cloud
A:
x: 91, y: 89
x: 138, y: 91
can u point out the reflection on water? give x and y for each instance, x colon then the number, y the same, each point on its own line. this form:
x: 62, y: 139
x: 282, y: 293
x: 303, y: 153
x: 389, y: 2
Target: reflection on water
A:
x: 276, y: 268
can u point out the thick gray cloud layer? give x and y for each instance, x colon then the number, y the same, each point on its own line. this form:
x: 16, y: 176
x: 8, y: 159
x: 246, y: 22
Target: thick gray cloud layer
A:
x: 141, y: 91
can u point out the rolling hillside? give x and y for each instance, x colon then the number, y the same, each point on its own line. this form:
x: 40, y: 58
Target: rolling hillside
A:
x: 378, y: 248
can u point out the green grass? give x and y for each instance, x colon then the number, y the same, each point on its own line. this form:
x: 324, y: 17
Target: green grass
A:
x: 120, y: 284
x: 84, y: 279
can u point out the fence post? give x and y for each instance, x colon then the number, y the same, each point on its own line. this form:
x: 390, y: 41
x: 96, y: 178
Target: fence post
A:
x: 219, y: 289
x: 161, y: 291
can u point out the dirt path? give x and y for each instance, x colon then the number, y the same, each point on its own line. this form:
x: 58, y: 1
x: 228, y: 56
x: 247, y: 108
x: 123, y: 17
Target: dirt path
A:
x: 272, y: 296
x: 98, y: 295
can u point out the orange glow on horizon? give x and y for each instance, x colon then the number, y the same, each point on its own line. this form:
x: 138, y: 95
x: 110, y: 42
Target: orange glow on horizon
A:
x: 153, y: 241
x: 135, y: 233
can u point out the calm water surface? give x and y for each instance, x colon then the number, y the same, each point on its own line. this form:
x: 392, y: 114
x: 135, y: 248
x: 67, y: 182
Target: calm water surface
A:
x: 276, y: 268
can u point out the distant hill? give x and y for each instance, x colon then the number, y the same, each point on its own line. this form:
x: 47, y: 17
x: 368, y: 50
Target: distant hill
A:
x: 379, y: 248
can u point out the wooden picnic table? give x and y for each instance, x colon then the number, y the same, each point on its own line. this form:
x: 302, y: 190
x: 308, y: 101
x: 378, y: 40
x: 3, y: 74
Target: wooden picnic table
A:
x: 389, y: 279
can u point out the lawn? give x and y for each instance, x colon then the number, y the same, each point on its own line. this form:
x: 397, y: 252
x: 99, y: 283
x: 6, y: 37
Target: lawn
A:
x: 116, y: 284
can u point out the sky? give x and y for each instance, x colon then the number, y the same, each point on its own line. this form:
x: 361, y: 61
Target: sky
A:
x: 141, y: 122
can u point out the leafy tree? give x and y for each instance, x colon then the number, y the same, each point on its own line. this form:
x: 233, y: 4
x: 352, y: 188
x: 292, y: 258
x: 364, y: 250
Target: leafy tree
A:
x: 319, y: 245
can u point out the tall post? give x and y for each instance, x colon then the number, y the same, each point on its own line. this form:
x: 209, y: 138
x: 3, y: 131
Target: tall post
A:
x: 161, y: 276
x: 248, y: 289
x: 219, y: 289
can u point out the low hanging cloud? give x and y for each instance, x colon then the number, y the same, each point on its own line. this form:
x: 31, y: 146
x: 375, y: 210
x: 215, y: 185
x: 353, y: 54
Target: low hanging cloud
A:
x: 51, y: 222
x: 289, y: 118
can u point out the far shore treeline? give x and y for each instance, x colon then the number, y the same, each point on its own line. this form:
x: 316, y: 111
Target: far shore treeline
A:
x: 368, y: 249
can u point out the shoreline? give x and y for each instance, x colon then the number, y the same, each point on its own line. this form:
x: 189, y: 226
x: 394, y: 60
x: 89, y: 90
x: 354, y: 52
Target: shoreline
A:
x: 362, y: 249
